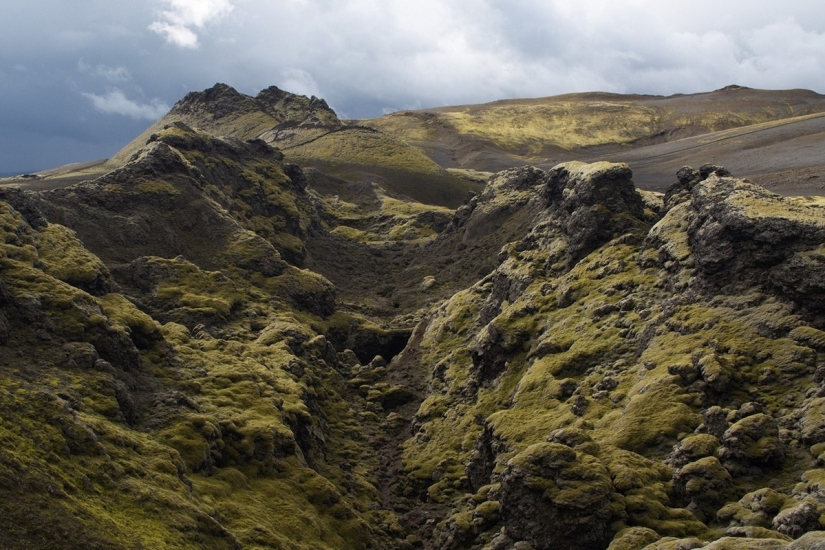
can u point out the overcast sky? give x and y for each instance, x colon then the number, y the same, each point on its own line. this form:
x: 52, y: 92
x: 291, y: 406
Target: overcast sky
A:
x: 80, y: 78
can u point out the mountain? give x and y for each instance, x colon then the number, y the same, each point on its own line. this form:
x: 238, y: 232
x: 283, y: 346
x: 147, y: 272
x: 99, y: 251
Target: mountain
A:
x: 587, y: 126
x: 770, y: 135
x: 308, y: 132
x: 224, y: 341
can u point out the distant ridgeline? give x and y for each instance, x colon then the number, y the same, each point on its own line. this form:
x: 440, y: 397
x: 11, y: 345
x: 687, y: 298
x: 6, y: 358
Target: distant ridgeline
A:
x: 264, y: 327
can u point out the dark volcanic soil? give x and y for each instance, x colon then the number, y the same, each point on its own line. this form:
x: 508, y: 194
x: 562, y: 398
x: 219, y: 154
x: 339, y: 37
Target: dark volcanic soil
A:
x: 786, y: 156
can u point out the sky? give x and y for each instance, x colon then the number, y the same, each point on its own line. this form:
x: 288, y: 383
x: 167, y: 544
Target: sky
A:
x: 81, y: 78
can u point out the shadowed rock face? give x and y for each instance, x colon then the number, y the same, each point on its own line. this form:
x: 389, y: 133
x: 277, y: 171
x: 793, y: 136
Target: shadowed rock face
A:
x: 224, y: 101
x: 595, y: 203
x: 295, y: 109
x: 185, y: 185
x: 554, y: 499
x: 742, y: 235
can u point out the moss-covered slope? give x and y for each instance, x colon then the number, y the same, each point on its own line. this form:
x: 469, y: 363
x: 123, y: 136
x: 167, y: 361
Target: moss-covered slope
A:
x: 200, y: 350
x: 309, y: 133
x: 504, y: 133
x: 165, y: 378
x: 626, y: 376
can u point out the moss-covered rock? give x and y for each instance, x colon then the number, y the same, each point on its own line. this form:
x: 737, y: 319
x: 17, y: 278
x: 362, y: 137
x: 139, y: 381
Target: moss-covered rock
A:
x: 633, y: 538
x: 756, y: 509
x: 706, y: 484
x: 553, y: 497
x: 753, y: 440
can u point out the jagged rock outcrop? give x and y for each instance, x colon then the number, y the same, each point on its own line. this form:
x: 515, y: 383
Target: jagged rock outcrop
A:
x: 223, y: 105
x: 223, y: 111
x: 741, y: 229
x: 293, y: 109
x: 169, y: 196
x: 656, y: 336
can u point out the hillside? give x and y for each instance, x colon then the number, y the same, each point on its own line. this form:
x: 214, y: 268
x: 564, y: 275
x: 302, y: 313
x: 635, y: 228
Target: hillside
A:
x: 222, y: 344
x: 308, y: 132
x: 784, y: 155
x: 501, y: 134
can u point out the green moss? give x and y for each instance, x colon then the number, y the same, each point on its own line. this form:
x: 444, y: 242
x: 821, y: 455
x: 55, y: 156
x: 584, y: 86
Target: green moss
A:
x: 633, y: 538
x: 809, y: 336
x: 489, y: 511
x: 247, y: 250
x: 158, y: 188
x: 660, y: 400
x: 64, y: 258
x: 190, y: 287
x: 123, y: 315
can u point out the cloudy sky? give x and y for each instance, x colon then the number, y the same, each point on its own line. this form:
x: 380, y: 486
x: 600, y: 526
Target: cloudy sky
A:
x: 80, y: 78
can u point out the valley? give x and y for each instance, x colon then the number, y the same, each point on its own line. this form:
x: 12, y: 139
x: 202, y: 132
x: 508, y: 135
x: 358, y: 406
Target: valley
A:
x: 526, y: 324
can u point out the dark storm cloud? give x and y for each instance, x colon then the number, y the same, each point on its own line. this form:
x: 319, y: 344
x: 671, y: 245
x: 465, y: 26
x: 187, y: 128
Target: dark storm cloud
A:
x: 79, y: 79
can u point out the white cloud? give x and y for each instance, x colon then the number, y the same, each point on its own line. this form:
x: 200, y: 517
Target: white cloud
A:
x: 176, y: 34
x: 298, y: 81
x: 115, y: 75
x: 366, y: 57
x: 177, y: 23
x: 115, y: 102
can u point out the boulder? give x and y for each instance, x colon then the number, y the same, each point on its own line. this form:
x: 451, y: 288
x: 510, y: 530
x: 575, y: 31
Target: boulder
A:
x: 555, y: 498
x: 753, y: 440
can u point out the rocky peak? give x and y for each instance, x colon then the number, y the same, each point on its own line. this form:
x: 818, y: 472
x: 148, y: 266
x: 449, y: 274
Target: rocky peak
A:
x: 218, y: 101
x: 223, y: 101
x: 593, y: 203
x: 733, y: 88
x: 293, y: 109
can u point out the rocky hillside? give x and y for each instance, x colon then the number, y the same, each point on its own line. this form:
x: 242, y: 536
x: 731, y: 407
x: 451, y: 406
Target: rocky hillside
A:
x: 308, y: 132
x: 211, y: 346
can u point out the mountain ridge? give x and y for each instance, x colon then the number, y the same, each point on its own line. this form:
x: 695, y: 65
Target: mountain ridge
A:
x: 418, y: 146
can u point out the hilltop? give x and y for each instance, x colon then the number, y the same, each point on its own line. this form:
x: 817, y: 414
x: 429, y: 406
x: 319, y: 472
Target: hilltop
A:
x: 265, y: 327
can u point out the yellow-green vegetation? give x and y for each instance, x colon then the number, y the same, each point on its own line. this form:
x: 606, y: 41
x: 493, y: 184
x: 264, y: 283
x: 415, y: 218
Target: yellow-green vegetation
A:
x: 186, y: 286
x: 121, y: 431
x: 64, y: 258
x: 614, y: 359
x: 360, y: 147
x: 364, y: 155
x: 533, y: 130
x: 158, y: 187
x: 388, y: 220
x: 530, y: 129
x: 592, y: 366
